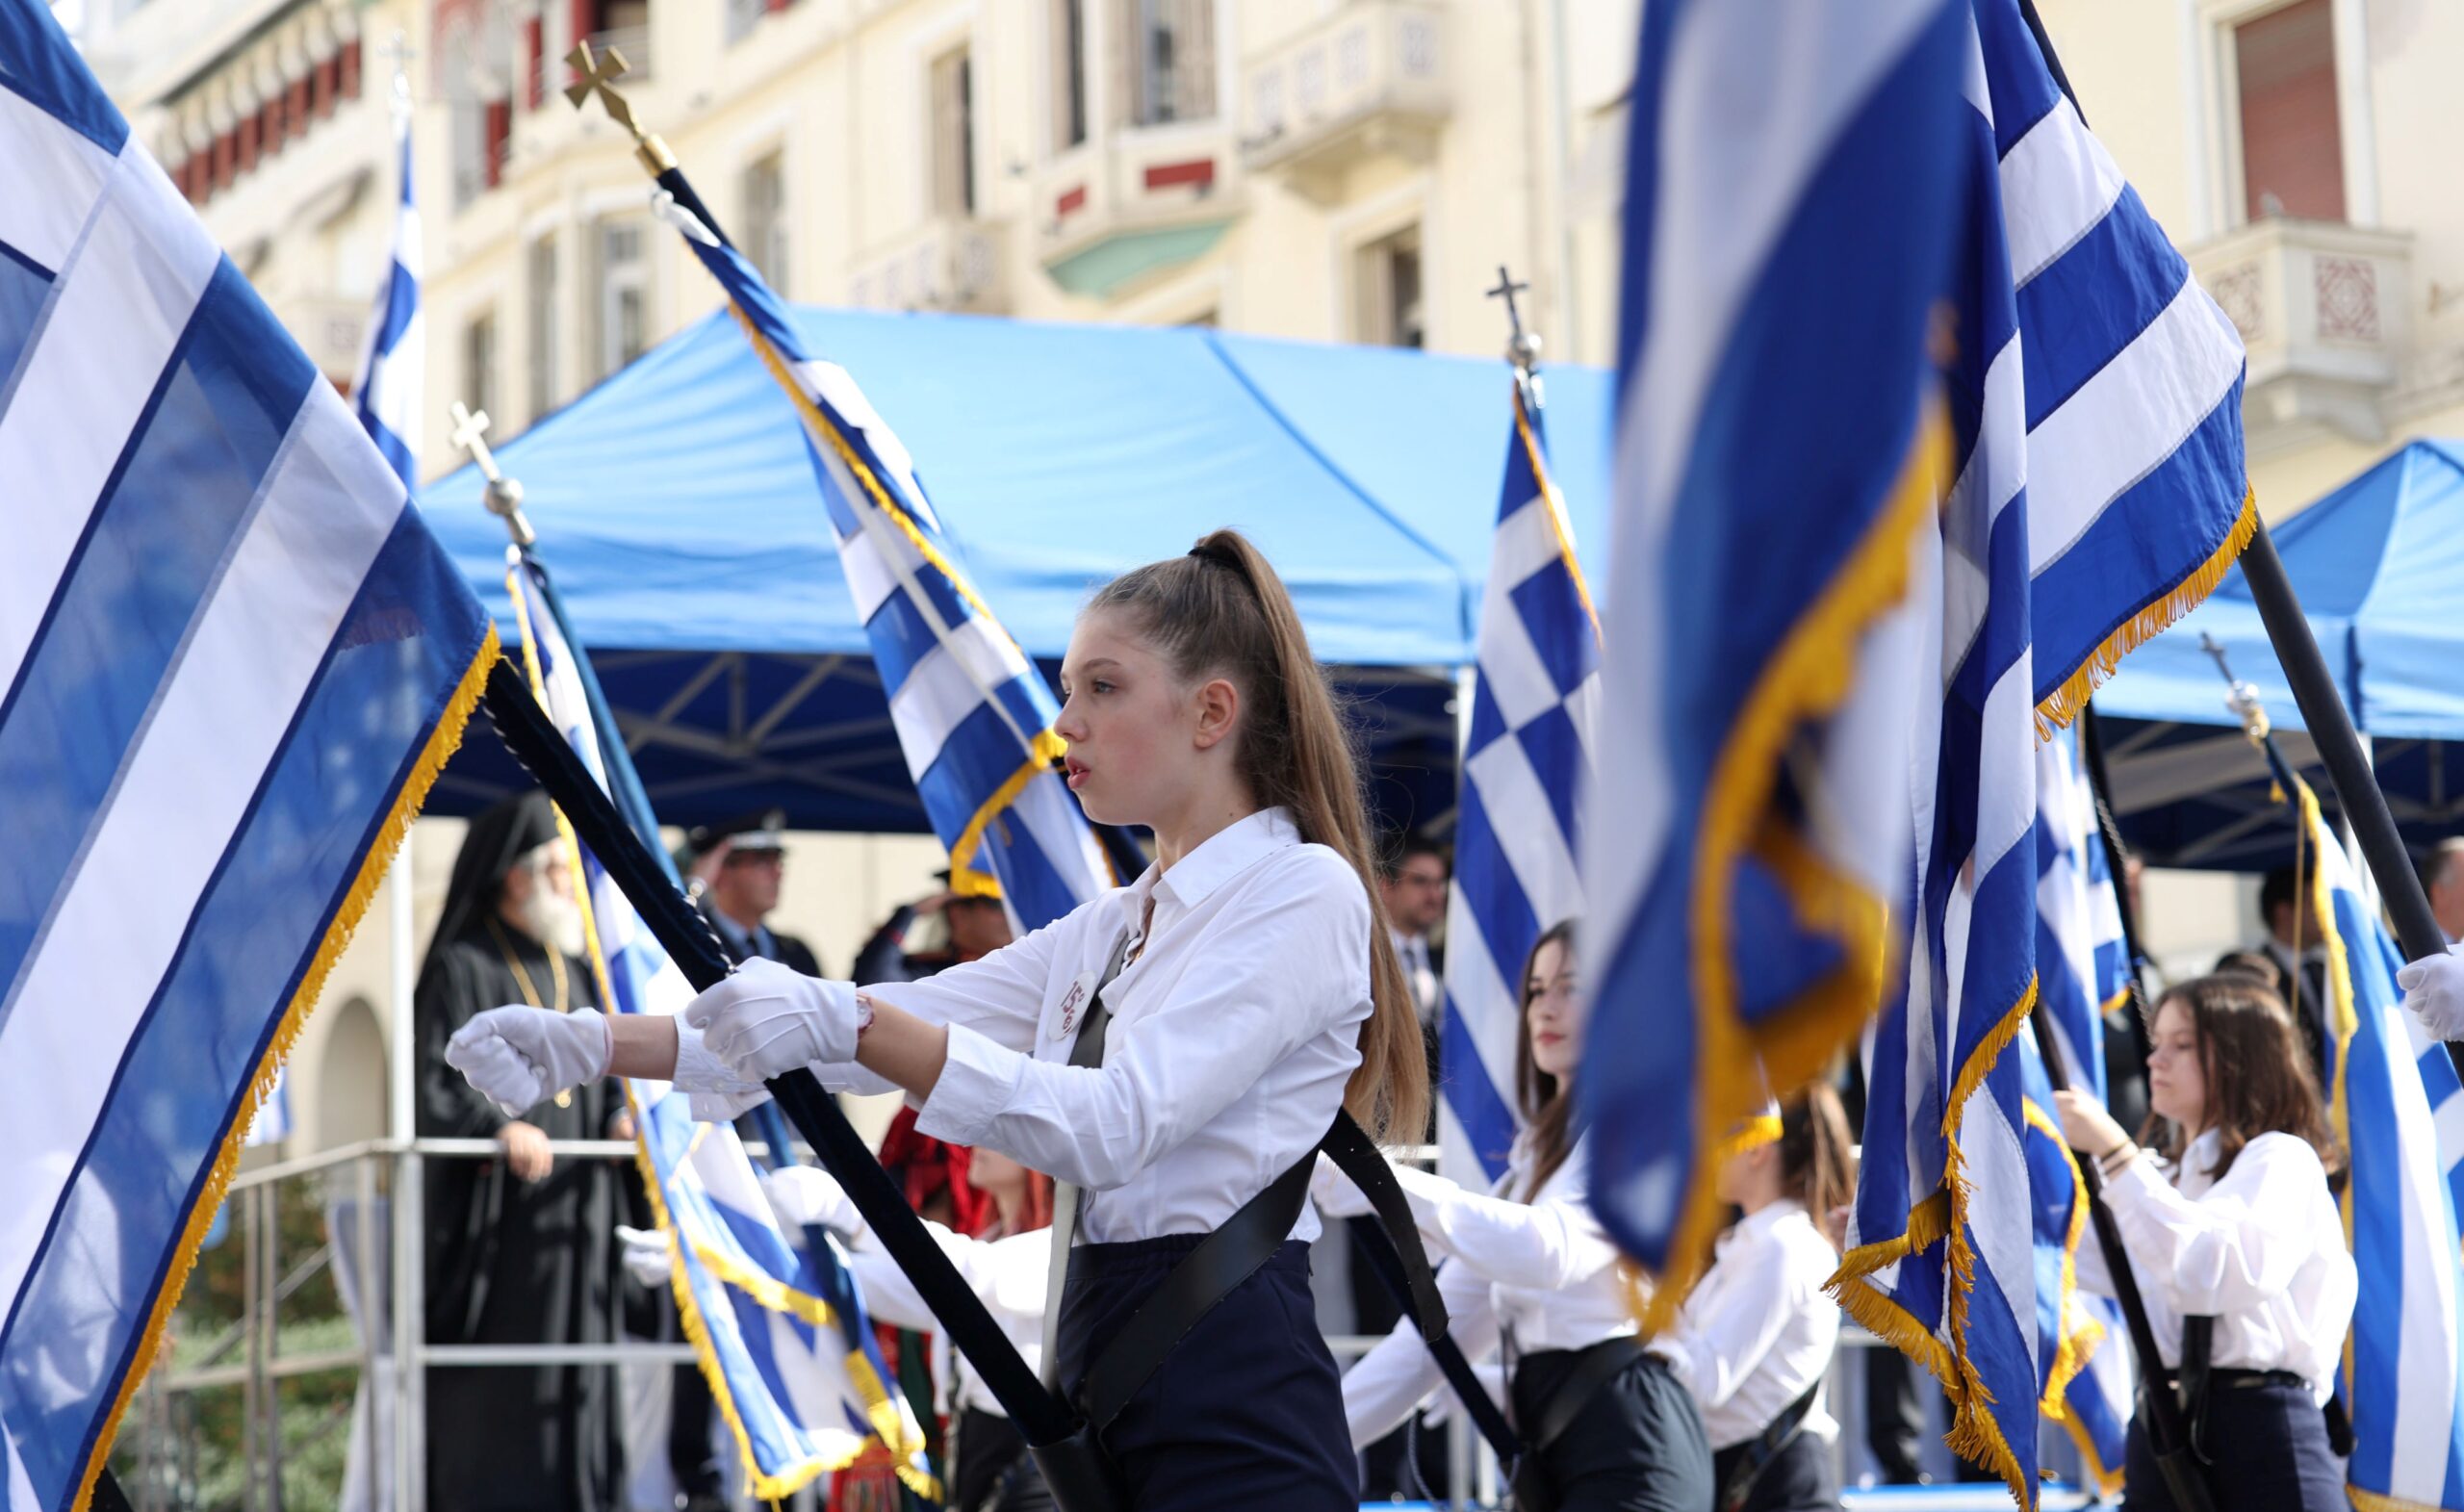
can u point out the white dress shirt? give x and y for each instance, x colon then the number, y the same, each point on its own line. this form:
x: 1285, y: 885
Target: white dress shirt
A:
x: 1756, y: 1330
x: 1543, y: 1269
x: 1233, y: 1035
x: 1007, y: 1275
x: 2262, y: 1250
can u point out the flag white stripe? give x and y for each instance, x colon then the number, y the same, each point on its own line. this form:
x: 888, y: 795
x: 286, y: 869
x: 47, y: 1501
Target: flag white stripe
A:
x: 936, y: 696
x: 2006, y: 804
x: 2140, y: 407
x: 1527, y: 832
x: 2425, y: 1368
x: 869, y: 580
x: 254, y: 653
x: 44, y: 223
x: 1997, y: 466
x: 1511, y: 669
x: 1489, y: 1006
x: 1996, y: 1168
x: 124, y: 300
x: 2058, y: 184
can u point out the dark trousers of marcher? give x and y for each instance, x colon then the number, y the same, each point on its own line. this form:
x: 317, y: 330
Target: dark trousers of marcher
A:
x: 1638, y: 1446
x: 1248, y: 1412
x: 692, y: 1454
x: 991, y: 1472
x: 1799, y: 1478
x: 2267, y: 1446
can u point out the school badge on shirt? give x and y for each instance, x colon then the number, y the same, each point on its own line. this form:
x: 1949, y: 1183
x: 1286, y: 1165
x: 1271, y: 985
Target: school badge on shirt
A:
x: 1073, y: 1004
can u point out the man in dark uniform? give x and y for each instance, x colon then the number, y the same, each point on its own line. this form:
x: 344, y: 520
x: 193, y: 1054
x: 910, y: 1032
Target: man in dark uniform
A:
x: 521, y: 1248
x: 736, y: 869
x: 974, y: 925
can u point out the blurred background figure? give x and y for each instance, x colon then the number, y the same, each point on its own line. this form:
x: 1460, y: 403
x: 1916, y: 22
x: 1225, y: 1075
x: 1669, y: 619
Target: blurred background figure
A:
x: 941, y: 930
x: 735, y: 871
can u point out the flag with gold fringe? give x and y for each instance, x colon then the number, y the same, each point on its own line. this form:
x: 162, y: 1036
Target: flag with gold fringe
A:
x: 232, y: 661
x: 1782, y: 450
x: 780, y: 1331
x: 2402, y: 1381
x: 973, y: 715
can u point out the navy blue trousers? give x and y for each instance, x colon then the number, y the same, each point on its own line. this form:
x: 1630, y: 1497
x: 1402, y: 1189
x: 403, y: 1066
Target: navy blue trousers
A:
x: 1246, y: 1413
x: 2269, y: 1444
x: 1638, y: 1446
x: 1799, y: 1478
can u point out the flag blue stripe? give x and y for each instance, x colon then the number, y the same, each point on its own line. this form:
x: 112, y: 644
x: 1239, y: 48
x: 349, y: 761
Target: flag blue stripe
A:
x: 24, y: 287
x: 2021, y: 87
x: 1035, y: 888
x: 150, y: 555
x: 1560, y: 631
x: 2094, y: 302
x: 974, y: 761
x: 2147, y: 535
x: 1478, y: 1102
x: 179, y: 1089
x: 899, y: 637
x: 1486, y: 877
x: 38, y: 63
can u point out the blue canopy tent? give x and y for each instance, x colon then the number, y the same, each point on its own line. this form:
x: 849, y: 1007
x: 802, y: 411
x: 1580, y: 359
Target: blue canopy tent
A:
x: 2380, y: 568
x: 676, y: 506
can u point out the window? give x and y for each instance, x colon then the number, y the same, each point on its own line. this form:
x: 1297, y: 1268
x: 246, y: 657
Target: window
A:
x: 624, y: 294
x: 479, y: 362
x: 1069, y: 42
x: 542, y: 333
x: 765, y: 219
x: 1171, y: 60
x: 1387, y: 285
x: 953, y: 93
x: 2292, y: 148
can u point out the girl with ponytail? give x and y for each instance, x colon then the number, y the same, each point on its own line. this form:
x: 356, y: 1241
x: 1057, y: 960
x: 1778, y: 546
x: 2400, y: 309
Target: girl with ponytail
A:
x: 1249, y: 992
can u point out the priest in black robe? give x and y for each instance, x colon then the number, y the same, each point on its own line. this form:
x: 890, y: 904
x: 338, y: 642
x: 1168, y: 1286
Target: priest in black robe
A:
x: 520, y: 1246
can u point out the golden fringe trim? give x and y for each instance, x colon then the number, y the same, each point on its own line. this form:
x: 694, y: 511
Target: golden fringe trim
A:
x: 2344, y: 1020
x: 1555, y: 504
x: 2062, y: 705
x: 1928, y: 1224
x: 1046, y: 746
x: 2108, y: 1477
x: 1809, y: 676
x: 442, y: 742
x: 2074, y: 1345
x: 1886, y: 1322
x: 1752, y: 1135
x: 1974, y: 1435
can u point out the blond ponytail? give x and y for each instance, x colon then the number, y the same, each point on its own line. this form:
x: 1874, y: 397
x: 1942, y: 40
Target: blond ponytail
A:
x: 1222, y: 610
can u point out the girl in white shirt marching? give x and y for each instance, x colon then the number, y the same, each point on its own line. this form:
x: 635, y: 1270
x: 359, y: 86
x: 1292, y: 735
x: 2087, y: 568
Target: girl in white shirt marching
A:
x: 2229, y: 1218
x: 1757, y: 1332
x: 1257, y: 993
x: 1528, y: 1270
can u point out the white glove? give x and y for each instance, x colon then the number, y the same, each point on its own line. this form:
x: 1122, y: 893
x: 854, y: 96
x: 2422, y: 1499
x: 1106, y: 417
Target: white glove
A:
x: 713, y: 1092
x: 2434, y: 990
x: 647, y: 1255
x: 768, y: 1019
x: 806, y: 1195
x: 519, y: 1057
x: 1334, y: 1192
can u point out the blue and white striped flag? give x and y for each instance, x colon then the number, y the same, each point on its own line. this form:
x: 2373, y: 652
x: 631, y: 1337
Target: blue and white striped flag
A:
x: 974, y: 716
x: 790, y: 1358
x: 1780, y: 453
x: 231, y: 662
x: 2403, y: 1365
x: 1535, y: 700
x: 2100, y: 496
x: 391, y: 372
x: 2080, y: 963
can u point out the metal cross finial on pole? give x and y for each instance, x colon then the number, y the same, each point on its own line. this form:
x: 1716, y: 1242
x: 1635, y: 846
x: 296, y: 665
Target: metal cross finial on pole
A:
x: 1522, y: 348
x: 596, y: 74
x: 502, y: 495
x: 398, y: 51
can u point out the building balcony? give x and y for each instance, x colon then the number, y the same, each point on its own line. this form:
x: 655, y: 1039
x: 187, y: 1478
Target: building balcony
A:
x: 1117, y: 211
x: 2324, y: 309
x: 949, y: 262
x: 1365, y: 82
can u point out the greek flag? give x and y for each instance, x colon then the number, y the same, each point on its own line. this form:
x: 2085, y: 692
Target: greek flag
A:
x: 1535, y: 699
x: 2403, y: 1366
x: 782, y: 1338
x: 387, y: 397
x: 2080, y: 966
x: 973, y: 715
x: 232, y: 661
x: 1780, y: 454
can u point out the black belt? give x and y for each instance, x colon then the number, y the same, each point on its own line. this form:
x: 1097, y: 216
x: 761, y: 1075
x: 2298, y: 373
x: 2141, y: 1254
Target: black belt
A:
x: 2244, y: 1380
x: 1763, y: 1447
